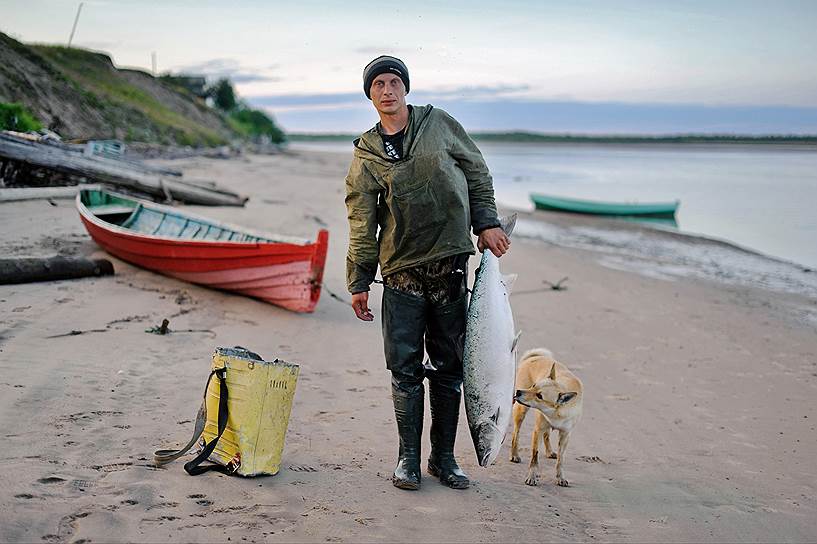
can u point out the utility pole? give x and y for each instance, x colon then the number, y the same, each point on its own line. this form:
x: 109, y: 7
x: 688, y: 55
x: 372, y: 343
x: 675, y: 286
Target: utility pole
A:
x: 74, y: 28
x: 153, y: 62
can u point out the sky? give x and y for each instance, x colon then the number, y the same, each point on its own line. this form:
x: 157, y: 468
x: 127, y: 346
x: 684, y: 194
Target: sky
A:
x: 582, y: 66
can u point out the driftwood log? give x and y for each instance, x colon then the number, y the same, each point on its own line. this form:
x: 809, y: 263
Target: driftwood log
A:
x: 112, y: 172
x: 34, y: 269
x: 16, y: 194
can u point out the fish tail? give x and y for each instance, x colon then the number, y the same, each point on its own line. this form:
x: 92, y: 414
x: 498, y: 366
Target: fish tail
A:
x: 508, y: 223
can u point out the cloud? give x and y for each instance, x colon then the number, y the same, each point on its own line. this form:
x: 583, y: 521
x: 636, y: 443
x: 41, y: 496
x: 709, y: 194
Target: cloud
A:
x: 474, y: 92
x: 377, y: 50
x: 229, y: 68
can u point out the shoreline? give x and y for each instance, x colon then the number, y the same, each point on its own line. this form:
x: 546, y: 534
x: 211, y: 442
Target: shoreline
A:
x: 698, y: 419
x: 674, y: 146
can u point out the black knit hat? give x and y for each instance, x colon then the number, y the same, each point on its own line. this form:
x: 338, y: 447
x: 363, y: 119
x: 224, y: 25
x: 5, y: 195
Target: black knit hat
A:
x: 382, y: 65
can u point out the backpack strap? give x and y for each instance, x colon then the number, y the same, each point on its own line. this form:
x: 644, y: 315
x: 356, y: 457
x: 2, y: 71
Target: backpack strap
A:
x: 162, y: 457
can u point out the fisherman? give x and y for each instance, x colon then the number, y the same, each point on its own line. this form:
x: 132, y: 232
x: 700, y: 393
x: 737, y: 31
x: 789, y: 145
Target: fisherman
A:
x: 416, y: 187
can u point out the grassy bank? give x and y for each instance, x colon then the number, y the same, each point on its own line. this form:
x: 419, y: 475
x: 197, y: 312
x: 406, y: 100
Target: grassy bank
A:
x: 126, y: 96
x: 82, y: 94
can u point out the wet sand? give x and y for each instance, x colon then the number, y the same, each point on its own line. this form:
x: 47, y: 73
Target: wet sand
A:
x: 699, y: 417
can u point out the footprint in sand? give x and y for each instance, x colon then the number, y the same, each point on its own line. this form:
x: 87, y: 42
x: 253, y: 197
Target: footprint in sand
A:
x: 113, y: 467
x: 51, y: 480
x: 302, y: 468
x: 591, y: 459
x: 202, y: 499
x: 163, y: 505
x: 68, y: 525
x: 83, y: 484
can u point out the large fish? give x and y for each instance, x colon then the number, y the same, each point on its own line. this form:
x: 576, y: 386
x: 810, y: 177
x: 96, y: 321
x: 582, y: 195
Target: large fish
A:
x: 489, y: 361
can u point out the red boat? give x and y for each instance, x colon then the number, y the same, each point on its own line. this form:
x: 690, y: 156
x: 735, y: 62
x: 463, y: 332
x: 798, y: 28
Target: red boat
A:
x: 281, y: 270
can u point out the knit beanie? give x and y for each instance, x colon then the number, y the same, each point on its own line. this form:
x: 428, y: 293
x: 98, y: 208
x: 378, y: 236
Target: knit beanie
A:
x: 382, y: 65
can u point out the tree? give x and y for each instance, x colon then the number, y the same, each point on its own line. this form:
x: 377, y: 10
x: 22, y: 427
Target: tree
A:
x: 223, y: 95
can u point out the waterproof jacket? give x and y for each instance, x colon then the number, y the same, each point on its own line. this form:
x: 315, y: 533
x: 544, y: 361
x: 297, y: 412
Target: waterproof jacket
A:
x: 419, y: 208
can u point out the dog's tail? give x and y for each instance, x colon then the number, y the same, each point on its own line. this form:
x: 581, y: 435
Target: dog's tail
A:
x: 537, y: 352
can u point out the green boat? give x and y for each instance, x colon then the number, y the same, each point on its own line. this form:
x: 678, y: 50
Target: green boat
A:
x: 595, y: 207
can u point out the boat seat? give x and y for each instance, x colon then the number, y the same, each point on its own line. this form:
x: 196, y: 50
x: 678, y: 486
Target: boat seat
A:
x: 111, y: 209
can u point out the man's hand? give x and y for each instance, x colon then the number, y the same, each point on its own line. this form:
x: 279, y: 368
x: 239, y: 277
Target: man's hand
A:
x: 360, y: 304
x: 494, y: 239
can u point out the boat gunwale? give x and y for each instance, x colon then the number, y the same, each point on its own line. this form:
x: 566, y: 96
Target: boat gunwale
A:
x: 86, y: 213
x: 625, y: 209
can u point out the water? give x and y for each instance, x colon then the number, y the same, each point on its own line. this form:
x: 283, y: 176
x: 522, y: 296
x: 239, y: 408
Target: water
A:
x: 758, y: 197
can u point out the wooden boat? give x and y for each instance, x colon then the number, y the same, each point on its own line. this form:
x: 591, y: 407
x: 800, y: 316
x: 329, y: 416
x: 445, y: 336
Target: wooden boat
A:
x: 573, y: 205
x: 281, y: 270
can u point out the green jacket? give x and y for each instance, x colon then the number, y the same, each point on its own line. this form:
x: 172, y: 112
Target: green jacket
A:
x: 424, y: 204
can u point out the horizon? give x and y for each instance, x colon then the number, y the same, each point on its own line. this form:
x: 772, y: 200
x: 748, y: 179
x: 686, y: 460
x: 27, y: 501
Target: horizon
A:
x: 648, y: 68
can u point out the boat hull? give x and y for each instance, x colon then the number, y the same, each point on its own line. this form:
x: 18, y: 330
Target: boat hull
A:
x: 281, y: 273
x: 560, y: 204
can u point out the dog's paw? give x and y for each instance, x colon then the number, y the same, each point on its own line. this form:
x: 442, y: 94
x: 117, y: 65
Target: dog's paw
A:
x: 561, y: 482
x: 515, y: 458
x: 552, y: 456
x: 532, y: 479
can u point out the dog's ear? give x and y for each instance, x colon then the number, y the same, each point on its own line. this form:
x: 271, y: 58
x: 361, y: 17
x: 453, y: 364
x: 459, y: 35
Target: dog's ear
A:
x: 553, y: 372
x: 565, y: 397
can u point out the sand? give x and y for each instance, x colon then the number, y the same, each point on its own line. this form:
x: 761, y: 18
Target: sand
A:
x: 699, y: 420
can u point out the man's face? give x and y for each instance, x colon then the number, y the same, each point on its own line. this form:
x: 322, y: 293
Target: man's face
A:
x: 388, y: 93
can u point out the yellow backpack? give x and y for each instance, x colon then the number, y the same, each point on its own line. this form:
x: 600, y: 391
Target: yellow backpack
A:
x: 244, y: 416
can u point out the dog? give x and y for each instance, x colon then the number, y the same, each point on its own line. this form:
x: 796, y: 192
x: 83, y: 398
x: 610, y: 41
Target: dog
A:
x: 547, y: 385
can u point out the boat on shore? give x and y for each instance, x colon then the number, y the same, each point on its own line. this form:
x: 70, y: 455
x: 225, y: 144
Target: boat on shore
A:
x: 281, y: 270
x: 595, y: 207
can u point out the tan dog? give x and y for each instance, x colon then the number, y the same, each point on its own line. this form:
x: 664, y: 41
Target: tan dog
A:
x: 548, y: 386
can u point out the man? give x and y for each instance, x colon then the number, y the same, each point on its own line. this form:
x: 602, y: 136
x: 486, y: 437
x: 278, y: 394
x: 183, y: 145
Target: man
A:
x: 416, y: 186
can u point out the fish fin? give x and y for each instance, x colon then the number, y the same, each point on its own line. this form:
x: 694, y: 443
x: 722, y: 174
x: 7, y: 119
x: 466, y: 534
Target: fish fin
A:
x: 515, y: 341
x: 495, y: 417
x: 508, y: 223
x: 428, y: 365
x: 508, y: 281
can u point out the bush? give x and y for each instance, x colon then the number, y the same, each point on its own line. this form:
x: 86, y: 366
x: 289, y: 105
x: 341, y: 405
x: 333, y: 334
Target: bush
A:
x: 255, y: 123
x: 17, y: 117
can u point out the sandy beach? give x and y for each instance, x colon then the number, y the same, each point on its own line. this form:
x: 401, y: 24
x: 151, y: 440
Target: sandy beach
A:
x: 699, y: 409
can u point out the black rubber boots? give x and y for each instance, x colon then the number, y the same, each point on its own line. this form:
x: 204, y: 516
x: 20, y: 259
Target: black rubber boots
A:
x: 408, y: 411
x: 403, y: 317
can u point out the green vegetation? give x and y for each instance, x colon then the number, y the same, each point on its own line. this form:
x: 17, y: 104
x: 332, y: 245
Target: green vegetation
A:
x: 95, y: 75
x: 81, y: 94
x: 252, y: 123
x: 223, y: 95
x: 17, y: 117
x: 244, y: 120
x: 534, y: 137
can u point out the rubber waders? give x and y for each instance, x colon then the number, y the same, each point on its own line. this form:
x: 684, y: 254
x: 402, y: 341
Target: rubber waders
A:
x: 445, y: 412
x: 408, y: 411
